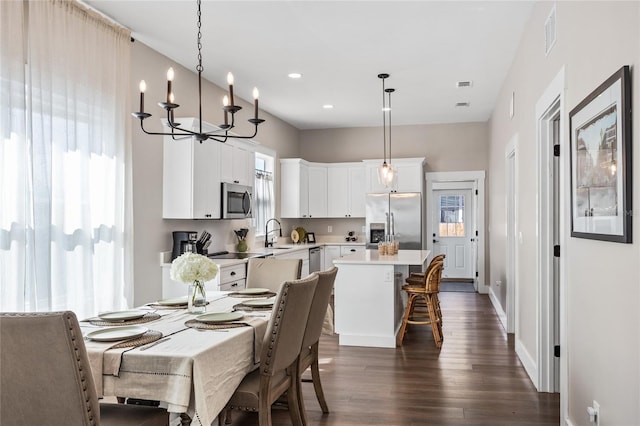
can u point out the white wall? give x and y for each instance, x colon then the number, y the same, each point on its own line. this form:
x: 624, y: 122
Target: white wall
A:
x: 152, y: 234
x: 603, y: 299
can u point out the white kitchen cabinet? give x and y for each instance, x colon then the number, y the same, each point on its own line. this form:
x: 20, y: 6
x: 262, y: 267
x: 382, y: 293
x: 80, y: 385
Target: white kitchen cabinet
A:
x: 346, y: 194
x: 232, y: 278
x: 190, y: 185
x: 317, y: 191
x: 410, y: 175
x: 296, y: 254
x: 294, y: 188
x: 237, y: 163
x: 351, y: 249
x: 330, y: 254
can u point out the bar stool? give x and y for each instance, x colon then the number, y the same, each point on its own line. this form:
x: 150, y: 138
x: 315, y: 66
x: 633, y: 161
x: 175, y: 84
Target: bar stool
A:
x: 424, y: 289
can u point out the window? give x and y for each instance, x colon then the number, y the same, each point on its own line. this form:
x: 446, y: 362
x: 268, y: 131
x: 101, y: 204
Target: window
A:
x: 263, y: 194
x: 63, y: 242
x: 451, y: 216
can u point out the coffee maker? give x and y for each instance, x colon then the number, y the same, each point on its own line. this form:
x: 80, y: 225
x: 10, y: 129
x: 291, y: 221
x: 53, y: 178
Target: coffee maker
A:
x: 183, y: 242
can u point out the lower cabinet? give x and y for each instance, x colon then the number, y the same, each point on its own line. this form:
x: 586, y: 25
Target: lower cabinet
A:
x: 332, y: 252
x: 233, y: 278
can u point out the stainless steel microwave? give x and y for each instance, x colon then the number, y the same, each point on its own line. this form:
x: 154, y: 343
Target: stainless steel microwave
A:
x: 236, y: 201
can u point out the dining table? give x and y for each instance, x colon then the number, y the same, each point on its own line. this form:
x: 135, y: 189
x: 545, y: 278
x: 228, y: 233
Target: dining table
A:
x: 191, y: 367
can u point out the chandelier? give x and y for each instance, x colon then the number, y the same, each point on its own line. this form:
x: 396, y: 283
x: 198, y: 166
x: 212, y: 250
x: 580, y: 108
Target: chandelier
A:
x: 387, y: 175
x: 228, y: 106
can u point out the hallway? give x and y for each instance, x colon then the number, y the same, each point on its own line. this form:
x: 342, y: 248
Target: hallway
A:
x: 476, y: 379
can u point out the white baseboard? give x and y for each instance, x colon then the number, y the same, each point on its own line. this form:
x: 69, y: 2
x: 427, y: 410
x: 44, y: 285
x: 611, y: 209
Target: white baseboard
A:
x: 567, y: 422
x: 502, y: 316
x: 528, y: 362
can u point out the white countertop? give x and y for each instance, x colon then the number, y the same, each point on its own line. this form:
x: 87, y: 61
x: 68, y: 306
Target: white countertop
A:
x: 404, y: 257
x: 277, y: 249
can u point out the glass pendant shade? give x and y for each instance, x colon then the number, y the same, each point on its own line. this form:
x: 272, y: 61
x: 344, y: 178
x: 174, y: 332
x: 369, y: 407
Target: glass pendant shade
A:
x: 386, y: 174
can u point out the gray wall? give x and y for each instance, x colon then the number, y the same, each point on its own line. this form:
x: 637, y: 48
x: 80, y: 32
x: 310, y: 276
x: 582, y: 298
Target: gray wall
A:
x: 446, y: 147
x: 152, y: 234
x: 602, y: 293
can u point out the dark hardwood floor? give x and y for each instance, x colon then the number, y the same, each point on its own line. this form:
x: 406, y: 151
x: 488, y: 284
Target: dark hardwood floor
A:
x: 475, y: 379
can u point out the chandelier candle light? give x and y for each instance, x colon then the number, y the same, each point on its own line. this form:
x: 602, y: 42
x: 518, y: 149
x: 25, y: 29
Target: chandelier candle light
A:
x: 228, y: 106
x: 387, y: 175
x: 194, y: 269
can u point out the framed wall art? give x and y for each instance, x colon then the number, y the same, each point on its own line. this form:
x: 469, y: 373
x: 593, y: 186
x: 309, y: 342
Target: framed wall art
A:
x: 600, y: 162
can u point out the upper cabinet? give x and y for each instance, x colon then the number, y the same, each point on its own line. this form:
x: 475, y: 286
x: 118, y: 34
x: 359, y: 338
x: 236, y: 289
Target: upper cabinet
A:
x: 317, y: 190
x: 192, y: 173
x: 346, y: 190
x: 410, y: 175
x: 294, y: 194
x: 237, y: 163
x: 303, y: 189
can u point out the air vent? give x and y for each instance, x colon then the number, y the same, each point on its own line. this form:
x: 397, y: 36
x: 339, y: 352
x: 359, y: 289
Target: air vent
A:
x: 550, y: 31
x: 461, y: 84
x: 462, y: 104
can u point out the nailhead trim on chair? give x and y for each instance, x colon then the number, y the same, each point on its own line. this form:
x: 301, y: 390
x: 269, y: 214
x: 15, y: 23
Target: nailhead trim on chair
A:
x: 83, y: 377
x: 276, y: 324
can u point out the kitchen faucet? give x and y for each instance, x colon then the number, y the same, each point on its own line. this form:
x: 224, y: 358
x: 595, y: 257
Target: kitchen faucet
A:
x: 267, y: 232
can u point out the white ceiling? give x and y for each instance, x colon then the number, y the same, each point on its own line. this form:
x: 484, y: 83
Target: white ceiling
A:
x: 340, y: 47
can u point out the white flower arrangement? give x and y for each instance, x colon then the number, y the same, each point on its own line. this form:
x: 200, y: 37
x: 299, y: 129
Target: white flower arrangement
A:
x: 190, y: 267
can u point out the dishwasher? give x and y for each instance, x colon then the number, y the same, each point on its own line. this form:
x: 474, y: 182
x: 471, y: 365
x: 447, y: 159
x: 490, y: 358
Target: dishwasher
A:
x: 315, y: 259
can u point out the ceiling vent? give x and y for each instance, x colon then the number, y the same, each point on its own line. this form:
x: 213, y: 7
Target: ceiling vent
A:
x: 461, y: 84
x: 462, y: 104
x: 550, y: 31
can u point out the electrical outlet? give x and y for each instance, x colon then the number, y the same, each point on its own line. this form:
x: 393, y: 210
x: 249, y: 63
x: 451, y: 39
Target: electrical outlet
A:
x: 329, y: 229
x: 498, y: 283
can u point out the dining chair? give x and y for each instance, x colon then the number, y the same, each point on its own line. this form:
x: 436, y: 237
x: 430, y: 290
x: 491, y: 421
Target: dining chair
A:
x: 46, y: 377
x: 278, y: 370
x: 272, y: 272
x: 311, y: 339
x: 425, y: 289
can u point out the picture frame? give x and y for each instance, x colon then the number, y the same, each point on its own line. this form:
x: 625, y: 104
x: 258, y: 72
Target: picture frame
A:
x: 600, y: 162
x: 311, y: 237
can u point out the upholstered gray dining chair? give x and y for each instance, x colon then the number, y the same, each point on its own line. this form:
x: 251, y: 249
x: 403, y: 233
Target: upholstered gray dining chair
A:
x: 310, y: 341
x: 272, y: 272
x: 278, y: 371
x: 46, y: 377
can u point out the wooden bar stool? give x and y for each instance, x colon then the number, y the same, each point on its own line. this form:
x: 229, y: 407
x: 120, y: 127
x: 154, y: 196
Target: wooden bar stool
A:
x: 424, y: 289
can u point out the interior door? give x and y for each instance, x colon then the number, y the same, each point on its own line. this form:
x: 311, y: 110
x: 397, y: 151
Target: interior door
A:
x: 453, y: 231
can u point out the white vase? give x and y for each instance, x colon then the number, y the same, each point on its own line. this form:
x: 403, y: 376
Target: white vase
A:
x: 197, y: 299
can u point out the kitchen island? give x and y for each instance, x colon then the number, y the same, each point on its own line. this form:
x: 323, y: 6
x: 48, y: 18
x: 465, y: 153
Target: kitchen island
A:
x: 369, y: 301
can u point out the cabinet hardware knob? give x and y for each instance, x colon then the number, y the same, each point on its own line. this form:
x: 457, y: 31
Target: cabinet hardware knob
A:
x: 234, y: 285
x: 233, y: 273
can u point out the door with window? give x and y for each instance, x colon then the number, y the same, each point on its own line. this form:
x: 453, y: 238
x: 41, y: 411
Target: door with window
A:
x: 453, y: 232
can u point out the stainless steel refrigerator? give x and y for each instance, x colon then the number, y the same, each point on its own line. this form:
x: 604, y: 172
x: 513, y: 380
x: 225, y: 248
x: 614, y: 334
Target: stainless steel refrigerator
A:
x: 398, y: 214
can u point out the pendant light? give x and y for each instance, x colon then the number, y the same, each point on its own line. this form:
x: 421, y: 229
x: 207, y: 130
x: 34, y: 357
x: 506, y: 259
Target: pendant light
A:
x: 386, y: 173
x: 228, y: 106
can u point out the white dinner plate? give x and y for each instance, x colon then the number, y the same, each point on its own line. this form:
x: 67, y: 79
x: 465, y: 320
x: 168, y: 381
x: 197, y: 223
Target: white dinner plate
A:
x: 219, y: 317
x: 119, y: 316
x: 173, y: 302
x: 253, y: 291
x: 112, y: 334
x: 295, y: 237
x: 260, y: 302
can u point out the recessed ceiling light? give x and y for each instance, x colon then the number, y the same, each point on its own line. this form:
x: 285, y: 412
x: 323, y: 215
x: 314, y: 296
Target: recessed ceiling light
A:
x: 295, y: 75
x: 462, y: 104
x: 327, y: 106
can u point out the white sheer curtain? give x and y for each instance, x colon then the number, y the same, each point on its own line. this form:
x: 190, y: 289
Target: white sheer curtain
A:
x: 64, y: 159
x: 263, y: 200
